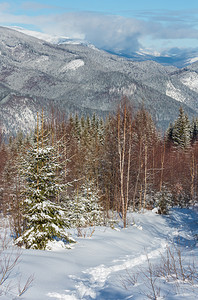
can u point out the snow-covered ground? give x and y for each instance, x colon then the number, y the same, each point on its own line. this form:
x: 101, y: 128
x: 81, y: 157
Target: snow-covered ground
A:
x: 174, y: 92
x: 73, y: 65
x: 190, y: 80
x: 113, y: 263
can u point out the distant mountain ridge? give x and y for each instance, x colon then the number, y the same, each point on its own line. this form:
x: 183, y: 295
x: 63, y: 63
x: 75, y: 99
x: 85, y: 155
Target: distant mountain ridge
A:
x: 77, y: 77
x: 179, y: 59
x: 175, y: 56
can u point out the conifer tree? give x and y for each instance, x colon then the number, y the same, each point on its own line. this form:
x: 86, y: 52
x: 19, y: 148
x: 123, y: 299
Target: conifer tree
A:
x: 169, y: 133
x: 181, y: 130
x: 77, y: 127
x: 84, y: 209
x: 194, y: 130
x: 43, y: 217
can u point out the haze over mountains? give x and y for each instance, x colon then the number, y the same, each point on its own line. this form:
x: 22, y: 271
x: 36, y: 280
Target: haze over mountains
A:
x: 77, y: 77
x: 175, y: 56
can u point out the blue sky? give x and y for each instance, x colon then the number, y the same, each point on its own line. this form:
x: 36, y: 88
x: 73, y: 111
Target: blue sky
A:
x: 121, y: 25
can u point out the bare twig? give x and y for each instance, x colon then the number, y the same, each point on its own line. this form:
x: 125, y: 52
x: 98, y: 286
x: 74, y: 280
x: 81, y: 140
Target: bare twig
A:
x: 26, y: 286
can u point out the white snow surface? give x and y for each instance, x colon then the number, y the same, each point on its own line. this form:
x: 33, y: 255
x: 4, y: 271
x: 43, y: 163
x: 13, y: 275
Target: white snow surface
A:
x: 54, y: 39
x: 191, y: 81
x: 96, y: 266
x: 192, y: 60
x: 174, y: 93
x: 73, y: 65
x: 124, y: 91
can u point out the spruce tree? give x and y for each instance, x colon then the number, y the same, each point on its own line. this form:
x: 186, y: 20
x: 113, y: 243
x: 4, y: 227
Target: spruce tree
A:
x: 44, y: 219
x: 169, y: 133
x: 181, y: 130
x: 194, y: 130
x: 84, y: 209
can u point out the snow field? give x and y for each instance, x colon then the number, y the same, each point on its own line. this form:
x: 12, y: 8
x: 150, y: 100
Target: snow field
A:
x: 95, y: 266
x: 73, y: 65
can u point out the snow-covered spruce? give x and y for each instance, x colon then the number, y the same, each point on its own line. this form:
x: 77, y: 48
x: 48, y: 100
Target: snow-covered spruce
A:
x: 181, y: 130
x: 162, y: 201
x: 43, y: 218
x: 84, y: 209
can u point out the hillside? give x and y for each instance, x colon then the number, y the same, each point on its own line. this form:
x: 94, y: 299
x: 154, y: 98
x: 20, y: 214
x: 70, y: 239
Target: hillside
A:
x: 80, y: 78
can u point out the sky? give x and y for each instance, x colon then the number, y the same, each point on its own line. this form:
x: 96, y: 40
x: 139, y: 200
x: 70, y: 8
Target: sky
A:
x: 115, y: 25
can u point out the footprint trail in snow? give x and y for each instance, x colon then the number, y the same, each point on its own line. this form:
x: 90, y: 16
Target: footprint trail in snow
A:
x: 95, y: 279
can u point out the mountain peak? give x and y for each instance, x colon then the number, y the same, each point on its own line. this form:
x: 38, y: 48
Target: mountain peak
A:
x: 78, y: 78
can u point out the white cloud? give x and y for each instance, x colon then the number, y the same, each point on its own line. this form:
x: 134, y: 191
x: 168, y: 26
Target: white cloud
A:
x: 117, y: 33
x: 110, y: 32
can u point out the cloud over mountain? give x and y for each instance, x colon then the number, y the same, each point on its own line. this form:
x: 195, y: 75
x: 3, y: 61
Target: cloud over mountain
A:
x: 117, y: 33
x: 107, y: 32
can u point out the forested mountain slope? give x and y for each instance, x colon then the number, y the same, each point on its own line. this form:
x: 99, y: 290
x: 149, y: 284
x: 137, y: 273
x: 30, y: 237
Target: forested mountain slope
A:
x: 79, y: 78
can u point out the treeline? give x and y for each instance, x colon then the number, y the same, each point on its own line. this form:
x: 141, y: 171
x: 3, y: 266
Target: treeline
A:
x: 123, y: 160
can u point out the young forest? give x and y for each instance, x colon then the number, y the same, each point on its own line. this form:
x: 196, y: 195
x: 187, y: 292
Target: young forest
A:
x: 75, y: 172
